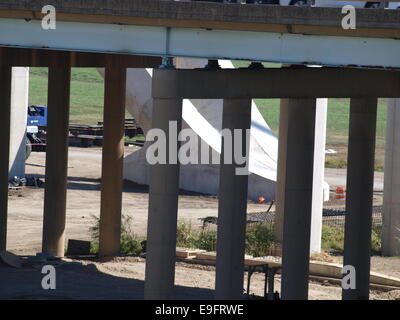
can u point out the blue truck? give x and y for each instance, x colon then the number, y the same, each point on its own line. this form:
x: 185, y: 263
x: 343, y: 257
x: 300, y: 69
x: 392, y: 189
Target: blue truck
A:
x: 37, y: 119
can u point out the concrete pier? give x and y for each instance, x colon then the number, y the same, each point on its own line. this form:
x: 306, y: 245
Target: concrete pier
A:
x: 281, y: 170
x: 232, y: 211
x: 5, y: 107
x: 204, y: 119
x: 56, y: 155
x: 360, y: 181
x: 112, y: 161
x: 19, y: 105
x: 298, y: 198
x: 163, y: 202
x: 318, y: 174
x: 321, y: 114
x: 391, y: 198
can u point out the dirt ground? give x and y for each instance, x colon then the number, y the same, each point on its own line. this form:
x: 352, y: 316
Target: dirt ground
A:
x: 123, y: 277
x: 83, y: 202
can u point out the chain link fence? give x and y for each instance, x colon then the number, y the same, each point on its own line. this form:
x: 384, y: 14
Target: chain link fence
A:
x: 260, y: 228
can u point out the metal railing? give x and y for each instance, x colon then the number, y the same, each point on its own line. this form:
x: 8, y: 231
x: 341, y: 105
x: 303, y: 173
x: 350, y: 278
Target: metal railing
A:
x: 370, y: 4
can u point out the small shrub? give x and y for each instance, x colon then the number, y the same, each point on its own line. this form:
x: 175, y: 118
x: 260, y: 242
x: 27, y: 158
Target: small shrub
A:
x: 207, y: 240
x: 185, y: 235
x: 130, y: 244
x: 332, y: 238
x: 260, y: 239
x: 94, y: 247
x: 95, y: 229
x: 376, y: 245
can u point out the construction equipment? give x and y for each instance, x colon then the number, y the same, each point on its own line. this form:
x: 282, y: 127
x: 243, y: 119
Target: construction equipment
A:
x: 79, y: 135
x: 37, y: 118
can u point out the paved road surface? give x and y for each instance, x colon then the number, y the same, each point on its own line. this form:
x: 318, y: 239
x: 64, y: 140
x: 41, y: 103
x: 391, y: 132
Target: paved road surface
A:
x: 337, y: 177
x: 334, y: 177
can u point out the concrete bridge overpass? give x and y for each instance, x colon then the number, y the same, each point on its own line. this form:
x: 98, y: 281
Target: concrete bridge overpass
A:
x: 285, y: 34
x: 92, y: 34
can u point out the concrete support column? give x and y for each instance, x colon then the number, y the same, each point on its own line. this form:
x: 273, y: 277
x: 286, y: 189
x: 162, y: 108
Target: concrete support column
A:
x: 19, y: 109
x: 5, y: 109
x: 319, y: 173
x: 298, y: 198
x: 163, y: 200
x: 56, y: 155
x: 391, y: 198
x: 318, y: 180
x: 232, y: 202
x: 360, y: 181
x: 281, y: 170
x: 112, y: 162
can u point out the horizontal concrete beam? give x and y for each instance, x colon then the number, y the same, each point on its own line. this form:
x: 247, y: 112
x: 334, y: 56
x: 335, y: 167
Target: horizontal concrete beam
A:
x: 162, y: 11
x: 203, y: 43
x: 277, y: 83
x: 19, y: 57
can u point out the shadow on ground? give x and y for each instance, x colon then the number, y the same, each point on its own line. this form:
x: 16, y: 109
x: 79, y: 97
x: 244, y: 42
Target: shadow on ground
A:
x: 92, y: 184
x: 76, y: 281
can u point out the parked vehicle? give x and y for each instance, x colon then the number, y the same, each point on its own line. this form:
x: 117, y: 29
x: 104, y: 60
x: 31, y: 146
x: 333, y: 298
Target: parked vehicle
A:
x: 37, y: 118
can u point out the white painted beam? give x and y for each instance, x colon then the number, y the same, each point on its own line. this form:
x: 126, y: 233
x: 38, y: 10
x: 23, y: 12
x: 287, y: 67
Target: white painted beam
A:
x: 202, y: 43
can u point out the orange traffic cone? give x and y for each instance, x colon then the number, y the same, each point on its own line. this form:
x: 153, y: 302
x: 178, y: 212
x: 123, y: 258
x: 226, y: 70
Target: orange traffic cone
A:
x: 340, y: 194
